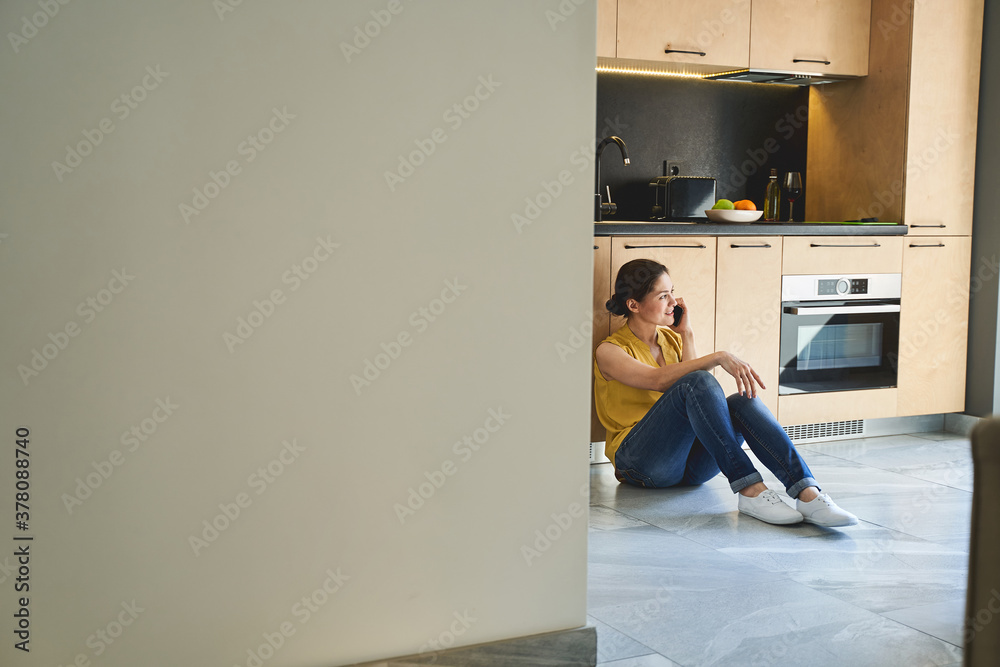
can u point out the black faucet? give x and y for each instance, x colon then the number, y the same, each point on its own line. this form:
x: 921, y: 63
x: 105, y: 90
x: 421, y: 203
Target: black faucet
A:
x: 599, y: 207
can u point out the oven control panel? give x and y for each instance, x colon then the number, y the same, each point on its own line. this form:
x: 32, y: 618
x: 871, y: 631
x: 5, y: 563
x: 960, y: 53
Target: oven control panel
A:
x: 839, y: 286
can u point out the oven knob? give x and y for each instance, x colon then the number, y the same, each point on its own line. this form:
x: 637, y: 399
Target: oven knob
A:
x: 843, y: 286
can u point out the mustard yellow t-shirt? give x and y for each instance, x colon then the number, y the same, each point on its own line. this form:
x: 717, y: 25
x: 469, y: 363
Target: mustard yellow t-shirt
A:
x: 619, y: 406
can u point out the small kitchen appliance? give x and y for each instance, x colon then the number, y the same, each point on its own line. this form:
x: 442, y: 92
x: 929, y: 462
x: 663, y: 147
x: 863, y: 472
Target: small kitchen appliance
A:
x: 682, y: 198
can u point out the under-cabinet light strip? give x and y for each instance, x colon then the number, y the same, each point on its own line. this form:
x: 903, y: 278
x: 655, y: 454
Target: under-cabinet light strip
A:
x: 655, y: 72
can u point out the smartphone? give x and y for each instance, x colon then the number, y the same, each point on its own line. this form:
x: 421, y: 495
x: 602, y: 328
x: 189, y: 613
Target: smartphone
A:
x: 678, y: 313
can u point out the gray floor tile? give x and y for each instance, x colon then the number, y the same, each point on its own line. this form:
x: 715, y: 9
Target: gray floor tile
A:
x: 652, y: 565
x: 613, y: 645
x: 651, y: 660
x: 763, y: 625
x: 605, y: 518
x: 682, y: 574
x: 938, y: 435
x: 942, y: 619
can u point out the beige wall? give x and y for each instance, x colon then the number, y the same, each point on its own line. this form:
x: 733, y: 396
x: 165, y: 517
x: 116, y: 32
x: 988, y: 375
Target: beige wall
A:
x: 305, y: 231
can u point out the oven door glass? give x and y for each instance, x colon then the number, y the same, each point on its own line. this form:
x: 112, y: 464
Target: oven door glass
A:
x: 837, y: 351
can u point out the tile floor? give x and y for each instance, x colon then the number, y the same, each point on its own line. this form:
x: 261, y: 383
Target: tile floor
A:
x: 678, y: 577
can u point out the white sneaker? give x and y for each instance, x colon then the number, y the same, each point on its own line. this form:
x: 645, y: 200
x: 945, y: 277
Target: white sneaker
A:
x: 824, y: 512
x: 769, y: 507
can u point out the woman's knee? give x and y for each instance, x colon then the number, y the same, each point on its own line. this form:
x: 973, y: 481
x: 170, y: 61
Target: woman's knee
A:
x: 702, y: 379
x: 738, y: 400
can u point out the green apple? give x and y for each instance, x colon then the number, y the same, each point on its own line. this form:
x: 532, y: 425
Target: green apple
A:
x: 723, y: 204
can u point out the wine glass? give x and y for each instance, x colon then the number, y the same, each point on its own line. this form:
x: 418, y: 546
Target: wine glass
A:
x: 793, y: 190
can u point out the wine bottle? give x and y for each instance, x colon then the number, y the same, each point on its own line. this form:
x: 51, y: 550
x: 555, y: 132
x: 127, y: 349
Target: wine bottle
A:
x: 772, y: 199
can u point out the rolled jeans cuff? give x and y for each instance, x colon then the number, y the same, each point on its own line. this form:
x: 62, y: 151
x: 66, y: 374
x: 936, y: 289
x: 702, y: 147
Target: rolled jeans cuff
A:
x: 743, y: 482
x: 795, y: 489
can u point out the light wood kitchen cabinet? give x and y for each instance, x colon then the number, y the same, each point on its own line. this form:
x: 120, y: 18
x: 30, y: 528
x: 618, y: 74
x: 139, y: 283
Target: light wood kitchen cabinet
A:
x: 607, y: 28
x: 836, y: 406
x: 825, y: 36
x: 602, y: 320
x: 943, y: 116
x: 708, y: 33
x: 690, y: 260
x: 900, y: 145
x: 748, y: 309
x: 819, y: 255
x: 691, y: 263
x: 934, y: 325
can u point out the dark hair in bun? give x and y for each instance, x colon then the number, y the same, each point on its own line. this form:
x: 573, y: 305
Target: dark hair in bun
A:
x: 635, y: 280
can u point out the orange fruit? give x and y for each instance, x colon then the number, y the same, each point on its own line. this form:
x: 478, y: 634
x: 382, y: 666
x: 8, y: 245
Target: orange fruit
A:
x: 745, y: 205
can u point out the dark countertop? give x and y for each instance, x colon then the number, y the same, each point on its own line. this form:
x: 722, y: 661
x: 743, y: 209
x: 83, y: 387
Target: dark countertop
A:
x: 629, y: 228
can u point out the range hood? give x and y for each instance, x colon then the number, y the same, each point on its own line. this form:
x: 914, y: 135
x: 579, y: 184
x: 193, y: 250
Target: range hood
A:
x: 774, y: 76
x: 715, y: 73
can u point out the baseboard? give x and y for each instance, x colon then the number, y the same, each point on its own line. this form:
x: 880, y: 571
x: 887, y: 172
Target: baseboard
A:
x: 959, y: 423
x: 860, y: 428
x: 567, y: 648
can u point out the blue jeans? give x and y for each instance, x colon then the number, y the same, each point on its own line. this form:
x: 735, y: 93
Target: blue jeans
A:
x: 693, y: 432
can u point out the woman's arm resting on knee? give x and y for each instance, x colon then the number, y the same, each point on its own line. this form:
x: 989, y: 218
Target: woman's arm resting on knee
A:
x: 616, y: 364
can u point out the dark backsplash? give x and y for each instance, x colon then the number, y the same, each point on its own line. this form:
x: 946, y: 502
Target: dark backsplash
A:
x: 734, y: 132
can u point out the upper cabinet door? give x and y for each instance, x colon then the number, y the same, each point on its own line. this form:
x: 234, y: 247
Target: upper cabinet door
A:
x: 943, y: 117
x: 607, y: 28
x: 707, y: 32
x: 792, y: 35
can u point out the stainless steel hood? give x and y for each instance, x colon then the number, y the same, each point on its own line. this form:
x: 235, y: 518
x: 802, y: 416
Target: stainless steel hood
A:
x: 774, y: 76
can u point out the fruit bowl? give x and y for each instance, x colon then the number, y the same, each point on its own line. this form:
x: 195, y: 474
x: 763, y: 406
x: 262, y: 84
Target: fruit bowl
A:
x: 726, y: 215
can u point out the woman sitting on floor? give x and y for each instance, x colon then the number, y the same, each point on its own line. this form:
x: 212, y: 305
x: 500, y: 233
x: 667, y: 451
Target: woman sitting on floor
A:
x: 669, y: 422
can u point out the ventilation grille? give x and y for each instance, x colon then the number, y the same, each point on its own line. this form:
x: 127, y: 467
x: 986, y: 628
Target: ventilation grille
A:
x: 826, y: 430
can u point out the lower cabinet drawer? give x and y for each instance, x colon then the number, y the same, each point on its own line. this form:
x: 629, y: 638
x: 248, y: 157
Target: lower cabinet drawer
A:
x: 836, y: 406
x: 806, y: 255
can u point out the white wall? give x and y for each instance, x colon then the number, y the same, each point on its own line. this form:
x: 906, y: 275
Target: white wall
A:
x: 161, y: 335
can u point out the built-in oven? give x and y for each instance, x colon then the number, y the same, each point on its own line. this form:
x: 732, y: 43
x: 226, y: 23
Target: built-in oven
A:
x: 839, y: 332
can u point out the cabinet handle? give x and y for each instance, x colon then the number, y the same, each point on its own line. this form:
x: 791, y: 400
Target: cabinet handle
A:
x: 639, y: 247
x: 935, y: 226
x: 766, y: 245
x: 807, y: 60
x: 694, y: 53
x: 821, y: 245
x: 926, y: 245
x: 596, y: 248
